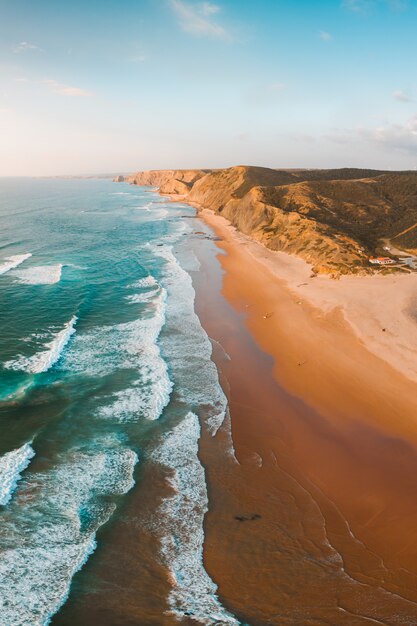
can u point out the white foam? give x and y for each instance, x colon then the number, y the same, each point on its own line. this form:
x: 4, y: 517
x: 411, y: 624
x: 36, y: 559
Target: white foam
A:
x: 131, y: 345
x: 147, y: 281
x: 148, y: 396
x: 180, y: 521
x: 41, y: 275
x: 150, y: 393
x: 137, y: 298
x: 187, y: 346
x: 13, y: 261
x: 50, y: 528
x: 44, y: 360
x: 11, y: 465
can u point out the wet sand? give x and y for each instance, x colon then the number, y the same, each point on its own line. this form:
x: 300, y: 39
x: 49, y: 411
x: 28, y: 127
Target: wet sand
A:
x: 315, y: 522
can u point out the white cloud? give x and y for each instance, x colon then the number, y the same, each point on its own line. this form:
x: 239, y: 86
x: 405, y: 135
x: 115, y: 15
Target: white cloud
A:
x: 402, y: 96
x: 274, y: 87
x: 325, y: 35
x: 265, y: 95
x: 66, y: 90
x: 365, y: 6
x: 398, y: 137
x: 196, y: 19
x: 138, y: 58
x: 393, y: 137
x: 207, y: 8
x: 25, y: 46
x: 358, y: 6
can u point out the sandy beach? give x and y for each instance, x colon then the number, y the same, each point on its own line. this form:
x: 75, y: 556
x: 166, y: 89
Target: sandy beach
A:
x: 321, y: 500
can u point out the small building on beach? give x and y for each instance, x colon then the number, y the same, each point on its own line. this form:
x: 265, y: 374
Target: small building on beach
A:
x: 381, y: 260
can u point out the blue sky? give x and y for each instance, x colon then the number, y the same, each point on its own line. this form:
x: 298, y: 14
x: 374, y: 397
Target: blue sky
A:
x: 105, y: 85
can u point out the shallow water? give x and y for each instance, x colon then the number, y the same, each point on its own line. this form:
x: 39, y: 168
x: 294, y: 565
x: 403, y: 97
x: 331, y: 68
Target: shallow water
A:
x: 104, y: 368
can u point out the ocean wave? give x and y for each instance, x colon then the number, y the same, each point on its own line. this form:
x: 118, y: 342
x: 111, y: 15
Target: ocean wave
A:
x: 147, y: 281
x: 13, y: 261
x: 180, y: 522
x: 187, y: 346
x: 11, y: 465
x: 152, y: 289
x: 41, y: 275
x: 150, y: 392
x: 49, y: 530
x: 132, y: 346
x: 147, y: 397
x: 44, y: 360
x: 137, y: 298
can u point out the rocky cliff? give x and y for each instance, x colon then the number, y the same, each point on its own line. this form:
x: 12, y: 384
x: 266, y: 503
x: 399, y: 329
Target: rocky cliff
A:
x: 334, y: 219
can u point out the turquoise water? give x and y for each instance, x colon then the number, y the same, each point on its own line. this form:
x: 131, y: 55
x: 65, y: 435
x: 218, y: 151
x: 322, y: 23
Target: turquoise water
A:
x: 101, y: 353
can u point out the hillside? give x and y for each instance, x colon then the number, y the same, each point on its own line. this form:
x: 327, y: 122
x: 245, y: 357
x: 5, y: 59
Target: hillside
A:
x: 334, y: 219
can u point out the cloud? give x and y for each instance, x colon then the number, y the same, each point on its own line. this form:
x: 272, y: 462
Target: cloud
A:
x: 366, y: 6
x: 391, y: 137
x: 207, y: 8
x: 25, y: 46
x: 325, y: 35
x: 138, y: 58
x: 66, y: 90
x: 274, y: 87
x: 197, y: 19
x: 398, y: 137
x: 401, y: 96
x: 265, y: 95
x: 358, y: 6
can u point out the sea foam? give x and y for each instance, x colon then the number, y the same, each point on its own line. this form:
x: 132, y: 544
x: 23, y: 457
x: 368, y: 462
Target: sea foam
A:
x: 41, y: 275
x: 181, y: 518
x: 13, y: 261
x: 187, y: 346
x: 130, y: 346
x: 11, y: 465
x: 150, y: 392
x: 42, y: 361
x: 48, y: 538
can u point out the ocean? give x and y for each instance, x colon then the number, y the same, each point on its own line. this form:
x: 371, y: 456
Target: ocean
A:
x: 105, y: 373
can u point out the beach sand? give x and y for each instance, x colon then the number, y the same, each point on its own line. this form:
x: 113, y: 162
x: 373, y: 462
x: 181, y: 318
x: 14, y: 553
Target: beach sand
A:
x: 314, y: 520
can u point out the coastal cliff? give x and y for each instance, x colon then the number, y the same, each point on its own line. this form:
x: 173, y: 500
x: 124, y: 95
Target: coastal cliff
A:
x: 333, y: 219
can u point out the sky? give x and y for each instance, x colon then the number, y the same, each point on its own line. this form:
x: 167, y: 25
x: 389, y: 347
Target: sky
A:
x: 97, y: 86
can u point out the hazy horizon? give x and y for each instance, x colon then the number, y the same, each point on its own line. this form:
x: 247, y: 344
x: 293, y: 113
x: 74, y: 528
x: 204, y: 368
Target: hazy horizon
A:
x: 156, y: 84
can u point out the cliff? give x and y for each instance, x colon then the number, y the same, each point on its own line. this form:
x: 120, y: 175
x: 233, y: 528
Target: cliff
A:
x: 334, y: 219
x: 157, y: 178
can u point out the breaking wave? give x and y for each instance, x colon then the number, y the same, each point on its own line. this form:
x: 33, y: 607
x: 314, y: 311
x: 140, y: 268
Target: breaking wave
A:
x: 13, y: 261
x: 42, y: 275
x: 181, y: 522
x: 130, y: 346
x: 187, y: 346
x: 47, y: 538
x: 44, y: 360
x: 11, y: 465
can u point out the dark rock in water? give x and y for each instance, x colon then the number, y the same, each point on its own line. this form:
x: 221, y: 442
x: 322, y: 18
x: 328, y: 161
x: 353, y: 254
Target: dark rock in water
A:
x: 242, y: 518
